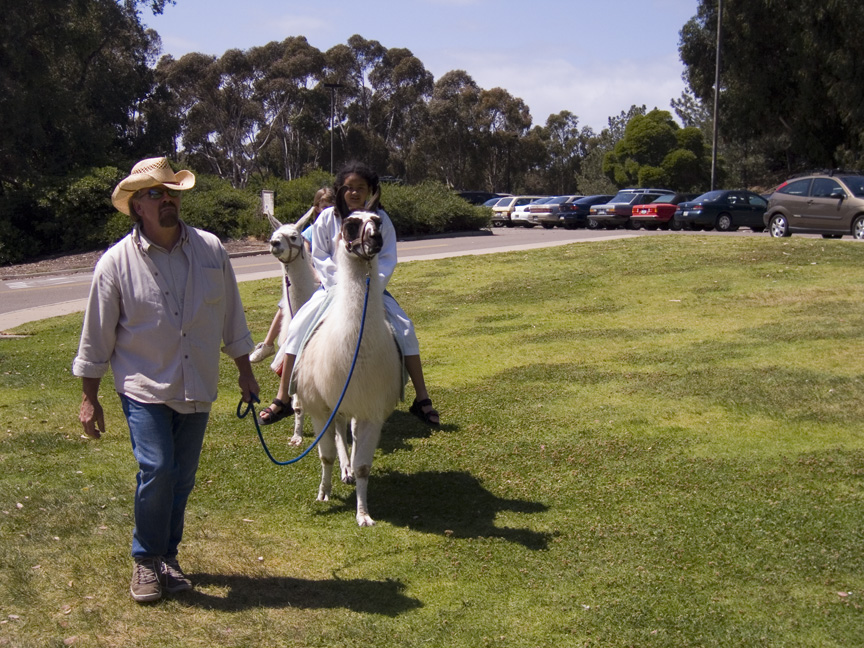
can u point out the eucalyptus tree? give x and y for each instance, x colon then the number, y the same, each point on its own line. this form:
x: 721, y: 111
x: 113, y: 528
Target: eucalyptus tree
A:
x: 502, y: 121
x: 449, y: 146
x: 401, y: 87
x: 220, y: 115
x: 295, y: 106
x: 566, y: 147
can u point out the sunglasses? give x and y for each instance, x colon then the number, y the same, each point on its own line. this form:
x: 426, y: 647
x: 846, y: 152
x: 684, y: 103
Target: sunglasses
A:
x: 157, y: 193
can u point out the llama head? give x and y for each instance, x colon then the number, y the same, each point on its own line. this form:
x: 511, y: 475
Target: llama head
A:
x: 287, y: 242
x: 361, y: 234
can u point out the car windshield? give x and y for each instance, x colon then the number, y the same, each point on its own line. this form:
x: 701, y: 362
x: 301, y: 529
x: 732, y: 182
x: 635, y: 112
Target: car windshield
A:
x: 624, y: 197
x: 709, y: 196
x: 855, y: 184
x: 665, y: 198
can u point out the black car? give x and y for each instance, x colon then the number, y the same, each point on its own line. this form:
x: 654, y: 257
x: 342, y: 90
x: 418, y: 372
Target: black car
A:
x: 478, y: 197
x: 573, y: 213
x: 724, y: 210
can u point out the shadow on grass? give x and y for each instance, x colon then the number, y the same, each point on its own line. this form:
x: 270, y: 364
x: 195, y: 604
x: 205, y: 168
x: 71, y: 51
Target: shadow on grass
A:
x: 454, y: 504
x: 247, y: 592
x: 401, y: 426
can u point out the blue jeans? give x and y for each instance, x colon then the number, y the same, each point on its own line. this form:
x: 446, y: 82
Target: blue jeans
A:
x: 167, y: 446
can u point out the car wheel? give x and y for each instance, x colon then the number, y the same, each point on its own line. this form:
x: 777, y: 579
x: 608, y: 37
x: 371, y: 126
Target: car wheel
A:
x: 858, y: 228
x: 547, y: 225
x: 593, y: 224
x: 676, y: 226
x: 778, y: 226
x: 497, y: 224
x: 569, y: 226
x: 724, y: 223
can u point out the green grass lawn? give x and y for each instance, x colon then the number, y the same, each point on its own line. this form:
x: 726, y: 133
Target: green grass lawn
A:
x: 647, y: 442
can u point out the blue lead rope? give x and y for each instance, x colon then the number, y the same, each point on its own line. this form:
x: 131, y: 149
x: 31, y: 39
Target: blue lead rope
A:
x: 250, y: 406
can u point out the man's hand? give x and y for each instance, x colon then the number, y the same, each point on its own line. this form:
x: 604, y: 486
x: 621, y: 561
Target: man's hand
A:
x: 91, y: 417
x: 247, y: 382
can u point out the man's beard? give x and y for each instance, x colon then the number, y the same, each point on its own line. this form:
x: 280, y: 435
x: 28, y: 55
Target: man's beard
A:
x: 169, y: 217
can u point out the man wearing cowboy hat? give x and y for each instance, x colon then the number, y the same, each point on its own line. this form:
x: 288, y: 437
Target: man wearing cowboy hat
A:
x: 163, y: 301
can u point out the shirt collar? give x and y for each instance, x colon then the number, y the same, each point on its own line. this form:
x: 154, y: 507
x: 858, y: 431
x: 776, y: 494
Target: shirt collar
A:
x: 144, y: 244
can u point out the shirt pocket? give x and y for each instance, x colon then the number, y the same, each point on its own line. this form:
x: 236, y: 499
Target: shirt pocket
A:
x: 212, y: 285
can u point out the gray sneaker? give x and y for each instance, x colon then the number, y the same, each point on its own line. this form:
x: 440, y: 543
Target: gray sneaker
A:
x: 262, y: 350
x: 175, y: 579
x: 146, y: 585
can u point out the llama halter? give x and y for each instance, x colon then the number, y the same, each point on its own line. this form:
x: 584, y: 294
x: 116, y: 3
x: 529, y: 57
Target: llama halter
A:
x: 362, y: 237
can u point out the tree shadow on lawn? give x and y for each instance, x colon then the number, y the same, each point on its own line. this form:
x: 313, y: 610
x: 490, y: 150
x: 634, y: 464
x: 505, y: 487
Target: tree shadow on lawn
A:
x: 451, y: 503
x: 247, y: 592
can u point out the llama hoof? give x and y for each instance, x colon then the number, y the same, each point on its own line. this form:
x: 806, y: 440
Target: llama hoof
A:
x: 348, y: 478
x: 296, y: 440
x: 364, y: 520
x: 323, y: 497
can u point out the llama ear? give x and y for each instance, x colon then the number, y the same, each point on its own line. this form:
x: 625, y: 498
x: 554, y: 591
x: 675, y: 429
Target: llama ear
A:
x: 274, y: 222
x: 372, y: 201
x: 305, y: 218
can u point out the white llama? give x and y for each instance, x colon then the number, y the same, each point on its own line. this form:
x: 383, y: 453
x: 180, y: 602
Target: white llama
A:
x: 324, y: 364
x: 288, y: 246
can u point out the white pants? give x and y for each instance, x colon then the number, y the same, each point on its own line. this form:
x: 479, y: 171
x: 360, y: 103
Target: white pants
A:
x: 308, y: 316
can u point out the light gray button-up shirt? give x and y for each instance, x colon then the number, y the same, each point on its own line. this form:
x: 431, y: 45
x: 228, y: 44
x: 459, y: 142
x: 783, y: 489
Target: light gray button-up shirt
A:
x: 163, y: 347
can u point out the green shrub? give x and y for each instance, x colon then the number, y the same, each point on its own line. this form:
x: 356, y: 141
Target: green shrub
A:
x: 214, y: 205
x: 430, y: 208
x: 76, y: 213
x: 293, y: 198
x: 61, y: 215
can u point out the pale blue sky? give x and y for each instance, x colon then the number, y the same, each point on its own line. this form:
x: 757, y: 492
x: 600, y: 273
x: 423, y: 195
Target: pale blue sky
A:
x: 594, y: 58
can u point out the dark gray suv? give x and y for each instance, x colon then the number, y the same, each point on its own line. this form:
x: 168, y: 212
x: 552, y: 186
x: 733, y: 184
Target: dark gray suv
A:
x: 830, y: 204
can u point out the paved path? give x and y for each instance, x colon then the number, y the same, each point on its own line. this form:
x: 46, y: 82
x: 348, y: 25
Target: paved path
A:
x: 32, y: 299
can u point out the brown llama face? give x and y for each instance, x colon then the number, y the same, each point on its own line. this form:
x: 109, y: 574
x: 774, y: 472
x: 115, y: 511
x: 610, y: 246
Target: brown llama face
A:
x: 361, y: 233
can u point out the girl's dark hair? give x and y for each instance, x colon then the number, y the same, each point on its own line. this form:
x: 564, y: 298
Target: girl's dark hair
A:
x: 371, y: 178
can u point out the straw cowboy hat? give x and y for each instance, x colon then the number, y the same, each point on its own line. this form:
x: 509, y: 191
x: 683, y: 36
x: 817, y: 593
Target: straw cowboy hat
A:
x: 152, y: 172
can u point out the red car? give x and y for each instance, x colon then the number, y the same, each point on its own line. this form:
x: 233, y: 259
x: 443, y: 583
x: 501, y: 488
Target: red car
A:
x: 658, y: 213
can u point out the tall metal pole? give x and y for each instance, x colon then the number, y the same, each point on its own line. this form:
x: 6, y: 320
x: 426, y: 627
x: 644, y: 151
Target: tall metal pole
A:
x: 333, y: 87
x: 716, y: 95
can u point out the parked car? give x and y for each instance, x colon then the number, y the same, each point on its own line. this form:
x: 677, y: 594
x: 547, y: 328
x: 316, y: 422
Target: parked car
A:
x: 548, y: 209
x: 724, y: 210
x: 573, y: 213
x: 831, y: 204
x: 521, y: 216
x: 479, y: 197
x: 503, y: 209
x: 660, y: 212
x: 617, y: 212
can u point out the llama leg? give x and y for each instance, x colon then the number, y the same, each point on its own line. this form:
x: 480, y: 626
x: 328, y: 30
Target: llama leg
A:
x: 297, y: 438
x: 366, y: 436
x: 342, y: 448
x: 327, y: 454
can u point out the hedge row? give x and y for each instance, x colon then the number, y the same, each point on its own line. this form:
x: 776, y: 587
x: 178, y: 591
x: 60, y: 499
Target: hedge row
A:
x: 76, y: 215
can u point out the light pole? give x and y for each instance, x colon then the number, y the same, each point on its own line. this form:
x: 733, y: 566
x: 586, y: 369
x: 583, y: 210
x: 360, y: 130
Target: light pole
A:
x: 333, y: 87
x: 716, y: 95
